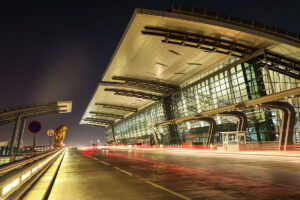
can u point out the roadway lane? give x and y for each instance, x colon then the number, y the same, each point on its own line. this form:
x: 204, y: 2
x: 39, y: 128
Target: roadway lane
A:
x: 199, y: 175
x: 84, y: 177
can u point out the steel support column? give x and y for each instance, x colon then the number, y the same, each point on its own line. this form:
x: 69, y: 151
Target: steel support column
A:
x: 287, y: 123
x: 169, y: 114
x: 14, y: 136
x: 156, y: 141
x: 212, y: 128
x: 242, y: 124
x: 113, y: 132
x: 20, y: 139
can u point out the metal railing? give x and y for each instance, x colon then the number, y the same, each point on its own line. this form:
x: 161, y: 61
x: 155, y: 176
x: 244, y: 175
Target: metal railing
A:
x: 16, y: 175
x: 17, y: 164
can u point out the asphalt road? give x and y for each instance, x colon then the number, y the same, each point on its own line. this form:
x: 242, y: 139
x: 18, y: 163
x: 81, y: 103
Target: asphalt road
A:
x: 130, y: 174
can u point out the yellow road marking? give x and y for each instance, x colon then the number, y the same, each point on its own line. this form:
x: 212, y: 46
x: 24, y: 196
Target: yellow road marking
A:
x: 170, y: 191
x: 104, y: 162
x: 130, y: 174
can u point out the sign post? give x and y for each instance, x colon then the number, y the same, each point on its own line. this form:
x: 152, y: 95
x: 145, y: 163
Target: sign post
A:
x: 34, y: 127
x: 50, y: 133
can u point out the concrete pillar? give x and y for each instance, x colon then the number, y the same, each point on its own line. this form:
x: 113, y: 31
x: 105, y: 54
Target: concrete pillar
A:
x: 20, y: 139
x: 14, y: 136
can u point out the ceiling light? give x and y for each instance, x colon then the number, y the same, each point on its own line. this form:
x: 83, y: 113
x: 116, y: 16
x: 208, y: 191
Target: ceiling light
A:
x: 161, y: 64
x: 174, y: 52
x: 191, y: 63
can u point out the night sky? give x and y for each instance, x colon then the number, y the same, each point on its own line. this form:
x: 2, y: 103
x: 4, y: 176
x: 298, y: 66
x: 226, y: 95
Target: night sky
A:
x: 57, y: 51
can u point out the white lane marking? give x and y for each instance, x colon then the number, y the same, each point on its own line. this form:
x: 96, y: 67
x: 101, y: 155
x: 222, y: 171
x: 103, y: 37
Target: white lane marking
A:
x: 170, y: 191
x: 128, y: 173
x: 95, y: 158
x: 104, y: 162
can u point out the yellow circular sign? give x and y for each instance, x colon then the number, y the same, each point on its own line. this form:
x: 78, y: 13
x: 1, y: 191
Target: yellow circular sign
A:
x: 50, y: 132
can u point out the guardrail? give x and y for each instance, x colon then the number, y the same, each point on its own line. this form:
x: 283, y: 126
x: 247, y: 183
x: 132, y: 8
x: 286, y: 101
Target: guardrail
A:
x: 8, y: 167
x: 16, y: 175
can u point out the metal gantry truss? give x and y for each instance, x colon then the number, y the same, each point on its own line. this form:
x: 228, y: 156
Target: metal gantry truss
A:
x: 28, y: 111
x: 205, y: 43
x: 107, y: 115
x: 280, y: 64
x: 130, y: 93
x: 12, y: 119
x: 153, y: 85
x: 117, y: 107
x: 99, y: 121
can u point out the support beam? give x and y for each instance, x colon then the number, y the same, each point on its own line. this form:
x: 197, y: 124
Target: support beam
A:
x: 14, y: 136
x: 280, y: 64
x: 102, y: 121
x: 198, y: 41
x: 129, y: 93
x: 153, y: 85
x: 117, y: 107
x: 95, y: 124
x: 20, y: 139
x: 107, y: 115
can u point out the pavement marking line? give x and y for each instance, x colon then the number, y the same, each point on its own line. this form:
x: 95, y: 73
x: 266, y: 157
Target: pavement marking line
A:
x: 167, y: 190
x: 128, y: 173
x: 104, y: 162
x: 95, y: 158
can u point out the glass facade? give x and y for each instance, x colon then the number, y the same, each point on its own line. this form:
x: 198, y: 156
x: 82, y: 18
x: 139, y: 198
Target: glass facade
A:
x: 139, y: 127
x: 276, y: 82
x: 240, y: 83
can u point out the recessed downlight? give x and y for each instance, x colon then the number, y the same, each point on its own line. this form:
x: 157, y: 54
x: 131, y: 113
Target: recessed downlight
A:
x: 174, y: 52
x: 151, y: 73
x: 161, y: 64
x: 192, y: 63
x: 207, y: 49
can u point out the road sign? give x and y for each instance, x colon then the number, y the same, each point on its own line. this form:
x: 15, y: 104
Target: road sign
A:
x: 50, y: 132
x: 34, y: 126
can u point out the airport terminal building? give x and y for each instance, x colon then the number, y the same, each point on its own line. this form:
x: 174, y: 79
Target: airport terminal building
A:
x: 187, y: 76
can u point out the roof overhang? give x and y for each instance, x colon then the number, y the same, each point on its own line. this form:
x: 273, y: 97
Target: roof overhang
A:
x: 149, y: 57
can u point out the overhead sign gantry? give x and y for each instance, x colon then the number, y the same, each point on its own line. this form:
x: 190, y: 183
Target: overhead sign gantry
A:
x: 19, y: 113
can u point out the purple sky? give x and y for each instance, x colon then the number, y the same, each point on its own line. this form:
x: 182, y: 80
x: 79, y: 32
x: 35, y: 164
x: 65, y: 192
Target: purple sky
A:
x: 58, y: 51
